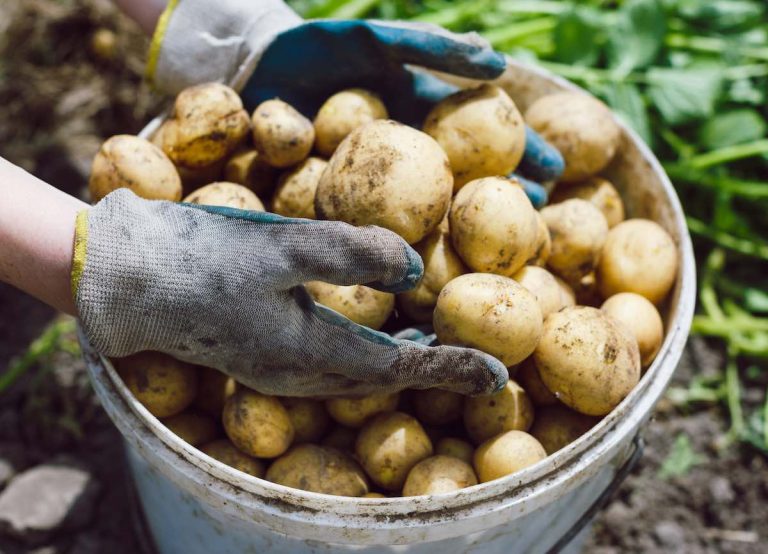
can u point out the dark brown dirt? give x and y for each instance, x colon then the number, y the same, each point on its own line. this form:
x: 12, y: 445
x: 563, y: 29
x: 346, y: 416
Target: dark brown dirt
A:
x: 58, y: 101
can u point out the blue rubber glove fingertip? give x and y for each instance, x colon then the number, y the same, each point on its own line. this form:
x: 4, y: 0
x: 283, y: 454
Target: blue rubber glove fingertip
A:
x: 541, y: 161
x: 536, y: 193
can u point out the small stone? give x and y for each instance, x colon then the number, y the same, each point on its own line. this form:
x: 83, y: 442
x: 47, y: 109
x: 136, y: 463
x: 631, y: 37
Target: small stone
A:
x: 670, y: 533
x: 721, y: 490
x: 45, y: 499
x: 617, y: 514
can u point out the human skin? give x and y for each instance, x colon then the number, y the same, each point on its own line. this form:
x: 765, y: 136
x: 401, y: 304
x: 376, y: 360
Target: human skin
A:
x: 37, y: 230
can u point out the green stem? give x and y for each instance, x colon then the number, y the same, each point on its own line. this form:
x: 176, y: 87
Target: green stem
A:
x: 450, y: 17
x: 707, y: 325
x: 713, y: 45
x: 734, y: 396
x: 532, y: 7
x: 765, y: 419
x: 502, y: 36
x: 353, y: 9
x: 738, y: 187
x: 729, y: 154
x: 726, y: 240
x: 324, y: 9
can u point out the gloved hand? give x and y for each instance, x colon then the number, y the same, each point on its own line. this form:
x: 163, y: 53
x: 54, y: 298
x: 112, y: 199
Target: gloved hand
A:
x: 265, y: 50
x: 222, y: 288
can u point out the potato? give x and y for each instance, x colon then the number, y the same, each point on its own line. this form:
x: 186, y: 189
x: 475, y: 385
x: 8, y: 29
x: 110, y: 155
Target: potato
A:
x: 641, y: 318
x: 481, y: 130
x: 578, y: 230
x: 441, y: 264
x: 581, y: 127
x: 213, y: 389
x: 246, y: 167
x: 544, y: 287
x: 506, y: 454
x: 257, y: 424
x: 341, y: 438
x: 543, y: 248
x: 528, y: 377
x: 450, y: 446
x: 599, y: 192
x: 125, y: 161
x: 389, y: 446
x: 354, y: 412
x: 567, y: 295
x: 492, y: 313
x: 387, y: 174
x: 589, y: 361
x: 363, y: 305
x: 437, y: 407
x: 165, y: 386
x: 318, y: 469
x: 638, y: 256
x: 342, y: 113
x: 193, y: 428
x: 228, y: 195
x: 308, y: 417
x: 373, y: 495
x: 207, y: 123
x: 487, y: 416
x: 439, y: 475
x: 225, y: 452
x: 295, y: 194
x: 557, y: 426
x: 281, y: 134
x: 493, y: 226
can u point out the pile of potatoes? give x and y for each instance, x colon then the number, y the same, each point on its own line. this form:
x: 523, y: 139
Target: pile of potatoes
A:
x: 567, y: 297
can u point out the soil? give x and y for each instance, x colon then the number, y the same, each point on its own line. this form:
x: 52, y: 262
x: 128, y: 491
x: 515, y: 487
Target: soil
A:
x: 59, y: 99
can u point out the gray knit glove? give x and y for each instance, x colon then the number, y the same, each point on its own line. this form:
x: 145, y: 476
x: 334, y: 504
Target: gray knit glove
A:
x: 222, y: 288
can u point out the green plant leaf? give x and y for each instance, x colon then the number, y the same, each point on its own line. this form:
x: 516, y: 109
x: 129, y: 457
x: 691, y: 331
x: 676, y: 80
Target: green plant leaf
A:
x: 684, y: 95
x: 734, y: 127
x: 628, y: 103
x: 637, y: 36
x: 578, y: 37
x: 681, y: 458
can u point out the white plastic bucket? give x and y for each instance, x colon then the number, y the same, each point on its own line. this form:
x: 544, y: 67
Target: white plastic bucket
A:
x: 195, y: 504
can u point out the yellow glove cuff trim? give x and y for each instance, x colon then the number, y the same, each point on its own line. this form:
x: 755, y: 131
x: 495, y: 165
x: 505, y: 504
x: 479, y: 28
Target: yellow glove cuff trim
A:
x: 157, y: 40
x: 78, y: 257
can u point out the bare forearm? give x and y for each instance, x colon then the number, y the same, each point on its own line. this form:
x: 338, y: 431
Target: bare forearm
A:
x: 37, y: 229
x: 143, y: 12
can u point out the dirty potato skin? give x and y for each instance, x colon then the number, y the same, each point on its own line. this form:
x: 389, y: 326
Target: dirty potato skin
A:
x: 295, y: 193
x: 588, y: 360
x: 207, y: 124
x: 567, y: 294
x: 642, y: 318
x: 318, y: 469
x: 493, y: 226
x: 558, y: 426
x: 354, y: 412
x: 638, y: 256
x: 597, y: 190
x: 439, y: 475
x: 387, y: 174
x: 487, y: 416
x: 481, y: 130
x: 228, y: 195
x: 441, y: 265
x: 257, y: 424
x: 363, y: 305
x: 437, y: 407
x: 389, y: 446
x: 579, y: 231
x: 492, y: 313
x: 543, y: 286
x: 506, y: 454
x: 581, y: 127
x: 192, y: 427
x: 125, y: 161
x: 308, y: 417
x: 528, y: 377
x: 342, y: 113
x: 281, y: 134
x: 543, y: 248
x: 226, y: 452
x: 164, y: 385
x: 450, y: 446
